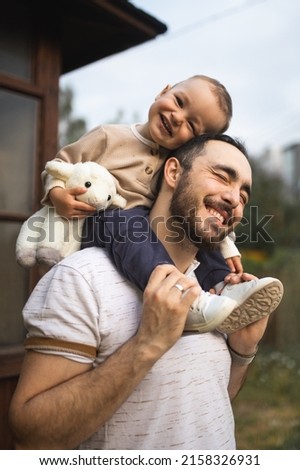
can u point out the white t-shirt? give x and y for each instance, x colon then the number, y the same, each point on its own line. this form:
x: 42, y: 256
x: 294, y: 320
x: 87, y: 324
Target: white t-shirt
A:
x: 84, y: 307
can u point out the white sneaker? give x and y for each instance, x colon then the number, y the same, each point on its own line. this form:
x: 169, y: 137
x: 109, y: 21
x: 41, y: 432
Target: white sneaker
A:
x: 208, y: 311
x: 254, y: 300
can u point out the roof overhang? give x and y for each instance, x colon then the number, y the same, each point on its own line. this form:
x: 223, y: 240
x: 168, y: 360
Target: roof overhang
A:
x: 86, y: 30
x: 94, y: 29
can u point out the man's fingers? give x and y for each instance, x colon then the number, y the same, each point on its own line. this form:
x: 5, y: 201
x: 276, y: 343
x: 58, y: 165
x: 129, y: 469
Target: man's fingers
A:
x: 169, y: 281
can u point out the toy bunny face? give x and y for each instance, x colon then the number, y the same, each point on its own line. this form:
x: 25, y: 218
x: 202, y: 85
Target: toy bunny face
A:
x: 100, y: 190
x: 99, y: 183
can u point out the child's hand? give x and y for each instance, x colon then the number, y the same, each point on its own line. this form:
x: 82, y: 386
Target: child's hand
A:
x: 235, y: 264
x: 66, y: 205
x: 233, y: 278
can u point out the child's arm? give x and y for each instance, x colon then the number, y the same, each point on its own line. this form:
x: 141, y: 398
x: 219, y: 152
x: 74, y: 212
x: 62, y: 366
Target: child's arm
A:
x: 132, y: 245
x: 89, y: 147
x: 66, y: 205
x: 231, y: 254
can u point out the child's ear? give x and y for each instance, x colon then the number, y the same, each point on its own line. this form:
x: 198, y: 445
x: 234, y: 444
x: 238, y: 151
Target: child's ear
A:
x: 172, y: 172
x: 167, y: 88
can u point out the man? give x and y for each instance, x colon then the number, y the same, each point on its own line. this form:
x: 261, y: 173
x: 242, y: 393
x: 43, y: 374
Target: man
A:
x: 98, y: 373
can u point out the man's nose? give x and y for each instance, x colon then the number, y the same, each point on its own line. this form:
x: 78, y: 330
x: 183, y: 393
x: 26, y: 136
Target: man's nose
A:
x: 232, y: 196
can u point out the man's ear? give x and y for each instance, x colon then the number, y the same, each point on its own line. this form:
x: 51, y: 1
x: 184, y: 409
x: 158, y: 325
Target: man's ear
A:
x: 172, y: 172
x: 167, y: 88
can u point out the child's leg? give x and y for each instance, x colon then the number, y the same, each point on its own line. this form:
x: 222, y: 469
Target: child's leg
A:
x: 212, y: 269
x: 129, y: 240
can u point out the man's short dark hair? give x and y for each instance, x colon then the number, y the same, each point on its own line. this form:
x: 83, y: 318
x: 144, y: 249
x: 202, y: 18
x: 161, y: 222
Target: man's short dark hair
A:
x: 188, y: 152
x: 195, y: 147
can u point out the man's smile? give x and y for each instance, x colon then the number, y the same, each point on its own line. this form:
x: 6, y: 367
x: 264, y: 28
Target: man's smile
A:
x: 222, y: 216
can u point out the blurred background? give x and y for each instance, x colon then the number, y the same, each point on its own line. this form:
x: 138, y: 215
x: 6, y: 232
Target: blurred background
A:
x: 252, y: 47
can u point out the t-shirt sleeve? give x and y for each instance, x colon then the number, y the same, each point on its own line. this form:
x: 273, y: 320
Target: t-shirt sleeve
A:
x: 62, y: 316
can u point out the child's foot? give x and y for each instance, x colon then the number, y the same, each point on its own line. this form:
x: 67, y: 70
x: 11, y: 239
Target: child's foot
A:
x: 236, y: 307
x: 208, y: 311
x: 254, y: 300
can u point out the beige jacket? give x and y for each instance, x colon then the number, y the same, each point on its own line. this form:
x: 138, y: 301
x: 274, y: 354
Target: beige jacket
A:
x: 133, y: 160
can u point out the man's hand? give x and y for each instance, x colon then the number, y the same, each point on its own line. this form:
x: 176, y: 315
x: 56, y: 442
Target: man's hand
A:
x: 66, y: 205
x: 165, y: 307
x: 246, y: 340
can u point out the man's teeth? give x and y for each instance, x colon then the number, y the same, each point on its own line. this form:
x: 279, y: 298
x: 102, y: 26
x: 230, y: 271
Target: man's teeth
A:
x: 217, y: 215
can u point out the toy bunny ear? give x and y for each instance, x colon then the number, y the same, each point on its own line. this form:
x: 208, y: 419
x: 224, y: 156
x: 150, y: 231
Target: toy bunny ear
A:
x: 60, y: 170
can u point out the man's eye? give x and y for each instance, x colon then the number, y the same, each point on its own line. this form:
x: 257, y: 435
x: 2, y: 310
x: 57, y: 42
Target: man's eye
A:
x: 222, y: 177
x: 244, y: 199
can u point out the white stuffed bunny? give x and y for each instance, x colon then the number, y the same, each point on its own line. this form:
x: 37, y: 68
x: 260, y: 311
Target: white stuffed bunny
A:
x: 46, y: 237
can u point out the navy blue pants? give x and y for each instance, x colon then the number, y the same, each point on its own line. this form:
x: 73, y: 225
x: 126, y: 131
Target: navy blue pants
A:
x: 136, y: 251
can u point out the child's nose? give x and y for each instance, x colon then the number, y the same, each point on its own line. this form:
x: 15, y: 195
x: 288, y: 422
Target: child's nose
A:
x: 177, y: 118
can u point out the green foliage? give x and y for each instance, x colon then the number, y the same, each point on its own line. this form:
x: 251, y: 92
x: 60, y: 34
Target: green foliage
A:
x: 70, y: 128
x: 267, y: 410
x: 272, y: 219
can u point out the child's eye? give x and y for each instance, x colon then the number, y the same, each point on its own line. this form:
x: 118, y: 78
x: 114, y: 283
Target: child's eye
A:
x: 179, y: 101
x: 191, y: 125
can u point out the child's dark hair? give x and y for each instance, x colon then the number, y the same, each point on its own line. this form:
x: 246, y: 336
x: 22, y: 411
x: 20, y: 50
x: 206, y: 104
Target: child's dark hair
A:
x: 223, y: 97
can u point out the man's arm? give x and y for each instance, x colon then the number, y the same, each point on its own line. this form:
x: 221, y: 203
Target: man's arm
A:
x: 59, y: 403
x: 245, y: 343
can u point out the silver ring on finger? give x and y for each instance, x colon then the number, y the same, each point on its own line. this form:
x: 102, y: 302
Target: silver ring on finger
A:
x: 179, y: 287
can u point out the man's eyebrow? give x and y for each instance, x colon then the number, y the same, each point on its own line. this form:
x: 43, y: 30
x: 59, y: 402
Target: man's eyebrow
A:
x: 234, y: 176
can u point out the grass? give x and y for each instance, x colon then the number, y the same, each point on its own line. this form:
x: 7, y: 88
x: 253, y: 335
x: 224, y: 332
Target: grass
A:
x: 267, y: 410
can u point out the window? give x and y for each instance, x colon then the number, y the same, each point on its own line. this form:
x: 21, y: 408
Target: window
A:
x: 15, y: 51
x: 18, y: 124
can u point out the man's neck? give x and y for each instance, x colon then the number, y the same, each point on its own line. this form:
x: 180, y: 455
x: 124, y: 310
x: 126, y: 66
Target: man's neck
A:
x: 181, y: 251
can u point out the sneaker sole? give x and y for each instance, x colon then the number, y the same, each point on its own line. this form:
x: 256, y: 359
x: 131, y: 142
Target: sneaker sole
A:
x: 260, y: 305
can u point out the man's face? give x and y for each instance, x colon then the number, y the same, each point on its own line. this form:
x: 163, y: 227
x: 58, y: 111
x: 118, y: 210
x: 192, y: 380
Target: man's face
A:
x: 209, y: 200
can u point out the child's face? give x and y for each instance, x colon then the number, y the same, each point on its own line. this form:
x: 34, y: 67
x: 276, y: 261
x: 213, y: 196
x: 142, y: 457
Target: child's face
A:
x: 180, y: 113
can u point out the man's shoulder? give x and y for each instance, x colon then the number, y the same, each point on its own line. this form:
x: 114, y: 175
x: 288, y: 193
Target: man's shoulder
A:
x: 86, y: 259
x: 87, y: 264
x: 90, y: 266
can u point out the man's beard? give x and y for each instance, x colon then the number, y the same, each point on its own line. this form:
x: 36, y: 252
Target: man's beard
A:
x: 183, y: 210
